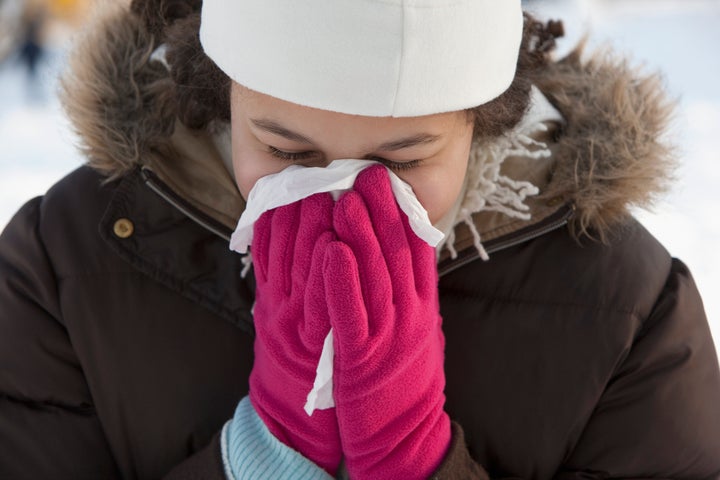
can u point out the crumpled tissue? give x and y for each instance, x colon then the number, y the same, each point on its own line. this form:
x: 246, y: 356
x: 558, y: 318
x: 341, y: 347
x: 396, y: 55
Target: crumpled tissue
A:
x: 297, y: 182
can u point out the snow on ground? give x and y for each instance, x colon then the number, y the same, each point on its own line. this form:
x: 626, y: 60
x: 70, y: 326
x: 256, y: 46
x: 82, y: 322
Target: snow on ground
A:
x: 36, y: 143
x: 677, y: 37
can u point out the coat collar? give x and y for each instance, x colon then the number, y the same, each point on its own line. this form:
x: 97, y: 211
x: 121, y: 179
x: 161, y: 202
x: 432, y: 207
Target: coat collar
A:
x: 162, y: 238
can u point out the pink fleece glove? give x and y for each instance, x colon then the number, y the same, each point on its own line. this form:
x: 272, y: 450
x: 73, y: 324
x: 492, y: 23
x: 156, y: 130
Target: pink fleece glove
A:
x: 288, y: 343
x: 381, y: 289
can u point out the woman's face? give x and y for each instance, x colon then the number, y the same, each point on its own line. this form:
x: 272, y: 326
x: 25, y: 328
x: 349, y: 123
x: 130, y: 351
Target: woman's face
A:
x: 429, y: 152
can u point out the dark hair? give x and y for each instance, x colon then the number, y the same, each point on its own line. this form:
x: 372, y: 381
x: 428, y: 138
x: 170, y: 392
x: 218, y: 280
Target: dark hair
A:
x: 203, y: 90
x: 503, y: 113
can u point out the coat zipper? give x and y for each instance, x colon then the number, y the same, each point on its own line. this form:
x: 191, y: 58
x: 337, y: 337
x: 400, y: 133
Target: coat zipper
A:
x: 159, y: 188
x: 558, y: 220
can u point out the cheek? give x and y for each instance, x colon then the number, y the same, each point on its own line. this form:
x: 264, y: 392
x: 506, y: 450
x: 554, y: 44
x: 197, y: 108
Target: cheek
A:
x: 437, y: 186
x: 249, y: 163
x: 245, y: 174
x: 437, y: 192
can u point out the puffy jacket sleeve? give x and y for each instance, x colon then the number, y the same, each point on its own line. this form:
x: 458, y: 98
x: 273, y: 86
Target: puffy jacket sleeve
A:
x: 205, y: 464
x: 659, y: 416
x: 48, y: 426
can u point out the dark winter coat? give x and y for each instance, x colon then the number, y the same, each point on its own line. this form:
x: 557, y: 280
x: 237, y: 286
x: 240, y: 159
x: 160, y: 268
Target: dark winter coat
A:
x: 126, y: 334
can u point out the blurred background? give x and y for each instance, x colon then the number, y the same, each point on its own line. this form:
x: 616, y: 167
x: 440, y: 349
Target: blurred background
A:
x: 678, y: 39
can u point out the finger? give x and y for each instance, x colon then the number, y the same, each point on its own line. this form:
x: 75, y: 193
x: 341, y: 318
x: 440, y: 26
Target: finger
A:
x: 374, y: 187
x: 261, y: 245
x: 315, y: 219
x: 317, y: 317
x: 424, y: 263
x: 354, y: 227
x: 345, y: 303
x: 283, y: 233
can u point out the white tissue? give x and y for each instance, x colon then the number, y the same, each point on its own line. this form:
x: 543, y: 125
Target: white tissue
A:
x: 297, y: 182
x: 320, y: 397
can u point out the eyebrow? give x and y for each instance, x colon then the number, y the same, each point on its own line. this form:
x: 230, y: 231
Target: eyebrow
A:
x: 277, y: 129
x: 419, y: 139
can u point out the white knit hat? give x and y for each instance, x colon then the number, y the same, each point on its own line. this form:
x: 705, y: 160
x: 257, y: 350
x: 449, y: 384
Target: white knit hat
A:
x: 380, y: 58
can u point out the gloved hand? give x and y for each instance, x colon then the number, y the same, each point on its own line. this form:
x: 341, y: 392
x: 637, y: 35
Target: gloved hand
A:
x: 380, y: 284
x: 288, y: 343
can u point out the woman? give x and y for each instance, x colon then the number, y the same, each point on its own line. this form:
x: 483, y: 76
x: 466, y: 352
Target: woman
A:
x: 572, y: 345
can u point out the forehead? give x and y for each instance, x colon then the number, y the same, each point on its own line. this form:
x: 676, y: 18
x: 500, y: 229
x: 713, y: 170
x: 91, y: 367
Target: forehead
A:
x: 252, y: 105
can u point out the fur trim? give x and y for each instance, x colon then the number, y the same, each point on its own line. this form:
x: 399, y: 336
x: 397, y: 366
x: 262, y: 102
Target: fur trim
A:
x: 610, y: 156
x: 613, y: 153
x: 119, y: 100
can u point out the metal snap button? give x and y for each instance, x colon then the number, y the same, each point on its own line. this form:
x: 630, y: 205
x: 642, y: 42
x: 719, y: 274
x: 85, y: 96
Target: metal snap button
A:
x: 123, y: 228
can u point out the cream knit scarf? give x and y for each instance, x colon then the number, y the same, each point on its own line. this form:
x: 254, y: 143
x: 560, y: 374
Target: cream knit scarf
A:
x: 485, y: 188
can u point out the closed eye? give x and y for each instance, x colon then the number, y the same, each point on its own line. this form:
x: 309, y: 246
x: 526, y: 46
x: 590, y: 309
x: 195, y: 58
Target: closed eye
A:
x: 290, y: 156
x: 299, y: 156
x: 396, y: 165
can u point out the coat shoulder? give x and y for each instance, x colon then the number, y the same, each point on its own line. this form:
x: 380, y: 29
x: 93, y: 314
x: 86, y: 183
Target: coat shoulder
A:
x: 68, y: 222
x: 608, y: 341
x: 625, y: 275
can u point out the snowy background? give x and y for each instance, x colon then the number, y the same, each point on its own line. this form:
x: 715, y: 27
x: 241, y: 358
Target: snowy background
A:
x: 678, y: 38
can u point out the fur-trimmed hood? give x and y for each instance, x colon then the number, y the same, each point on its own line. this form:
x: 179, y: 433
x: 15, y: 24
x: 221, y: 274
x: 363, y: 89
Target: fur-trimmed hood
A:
x: 608, y: 156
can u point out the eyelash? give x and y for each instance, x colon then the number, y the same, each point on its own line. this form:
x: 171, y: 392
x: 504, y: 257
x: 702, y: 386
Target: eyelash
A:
x: 399, y: 165
x: 290, y: 156
x: 298, y: 156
